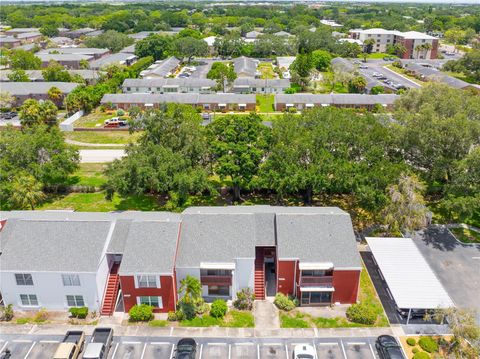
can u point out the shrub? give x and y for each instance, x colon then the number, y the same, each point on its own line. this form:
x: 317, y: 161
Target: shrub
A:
x: 292, y: 110
x: 141, y: 313
x: 120, y: 112
x: 41, y: 316
x: 428, y: 344
x: 172, y: 316
x: 411, y: 342
x: 79, y: 312
x: 202, y: 308
x: 421, y: 355
x: 180, y: 315
x: 158, y: 323
x: 283, y: 302
x: 244, y: 299
x: 360, y: 313
x: 415, y: 350
x: 219, y: 308
x: 6, y: 313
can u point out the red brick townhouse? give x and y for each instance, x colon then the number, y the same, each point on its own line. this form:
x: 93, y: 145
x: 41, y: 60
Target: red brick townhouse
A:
x: 112, y: 261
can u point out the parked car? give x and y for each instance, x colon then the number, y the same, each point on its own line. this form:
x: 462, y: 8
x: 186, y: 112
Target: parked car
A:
x: 115, y: 122
x: 304, y: 351
x: 71, y: 345
x: 415, y: 313
x: 388, y: 348
x: 8, y: 115
x: 388, y: 58
x: 363, y: 67
x: 186, y: 349
x: 6, y: 354
x: 100, y: 344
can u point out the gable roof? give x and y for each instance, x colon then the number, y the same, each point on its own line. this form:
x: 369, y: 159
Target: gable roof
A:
x: 35, y: 88
x: 245, y: 65
x: 162, y: 68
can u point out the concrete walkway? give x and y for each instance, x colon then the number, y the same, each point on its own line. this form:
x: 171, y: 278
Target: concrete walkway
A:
x: 266, y: 315
x: 86, y: 144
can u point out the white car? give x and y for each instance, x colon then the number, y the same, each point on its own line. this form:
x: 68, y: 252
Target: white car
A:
x: 304, y: 351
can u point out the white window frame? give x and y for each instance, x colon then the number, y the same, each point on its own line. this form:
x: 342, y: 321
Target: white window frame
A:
x: 71, y: 280
x: 29, y: 300
x: 23, y: 275
x: 149, y: 282
x: 76, y: 299
x: 159, y: 298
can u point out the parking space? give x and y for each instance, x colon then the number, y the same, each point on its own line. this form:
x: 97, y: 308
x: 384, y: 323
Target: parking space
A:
x: 329, y: 350
x: 127, y: 350
x: 215, y: 350
x: 159, y: 350
x: 243, y: 350
x: 358, y: 350
x: 19, y: 348
x: 272, y: 350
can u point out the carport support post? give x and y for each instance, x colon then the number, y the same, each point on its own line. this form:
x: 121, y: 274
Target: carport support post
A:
x: 409, y: 313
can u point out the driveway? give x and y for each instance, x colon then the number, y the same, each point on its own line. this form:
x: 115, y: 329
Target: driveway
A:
x: 100, y: 156
x: 456, y: 264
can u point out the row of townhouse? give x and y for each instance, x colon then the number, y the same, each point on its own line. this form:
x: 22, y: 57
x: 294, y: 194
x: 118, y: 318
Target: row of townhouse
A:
x: 411, y: 40
x: 247, y: 102
x: 112, y: 261
x: 218, y: 102
x: 21, y: 91
x: 244, y: 85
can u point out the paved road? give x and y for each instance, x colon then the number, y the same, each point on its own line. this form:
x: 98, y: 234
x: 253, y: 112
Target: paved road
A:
x: 390, y: 75
x: 100, y: 156
x: 40, y: 347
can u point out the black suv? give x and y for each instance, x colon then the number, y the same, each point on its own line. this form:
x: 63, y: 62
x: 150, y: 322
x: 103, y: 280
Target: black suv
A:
x: 388, y: 347
x: 186, y: 349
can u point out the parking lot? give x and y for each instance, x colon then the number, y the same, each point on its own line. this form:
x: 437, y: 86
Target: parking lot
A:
x: 370, y: 69
x: 43, y: 347
x: 202, y: 66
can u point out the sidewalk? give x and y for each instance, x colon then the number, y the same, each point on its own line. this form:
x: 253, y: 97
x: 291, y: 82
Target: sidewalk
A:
x: 213, y: 332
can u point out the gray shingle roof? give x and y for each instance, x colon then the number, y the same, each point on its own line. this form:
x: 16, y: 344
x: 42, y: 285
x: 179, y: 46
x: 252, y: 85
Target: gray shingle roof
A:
x: 337, y: 99
x: 310, y: 234
x: 245, y: 65
x: 437, y: 76
x: 120, y: 57
x: 252, y: 82
x: 36, y: 75
x: 159, y: 82
x: 49, y: 245
x: 186, y: 98
x: 150, y: 246
x: 33, y: 88
x: 75, y: 50
x: 63, y: 57
x: 162, y: 68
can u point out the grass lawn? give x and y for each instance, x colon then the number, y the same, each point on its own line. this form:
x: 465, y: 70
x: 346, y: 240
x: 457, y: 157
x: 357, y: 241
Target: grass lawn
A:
x: 295, y: 320
x: 89, y: 174
x: 157, y: 323
x: 461, y: 76
x: 376, y: 55
x: 266, y: 70
x: 265, y: 103
x: 96, y: 202
x: 368, y: 296
x: 466, y: 235
x: 233, y: 319
x: 93, y: 119
x: 111, y: 137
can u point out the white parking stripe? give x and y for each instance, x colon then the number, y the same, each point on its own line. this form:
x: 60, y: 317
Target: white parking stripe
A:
x: 343, y: 349
x: 160, y: 343
x: 143, y: 351
x: 29, y: 350
x: 272, y: 344
x: 356, y: 343
x: 201, y: 351
x: 229, y: 351
x: 217, y: 343
x: 127, y: 342
x: 4, y: 345
x: 327, y: 343
x: 48, y: 341
x: 286, y: 350
x: 243, y: 343
x: 171, y: 331
x: 173, y: 349
x: 371, y: 349
x: 21, y: 341
x: 258, y: 351
x: 115, y: 351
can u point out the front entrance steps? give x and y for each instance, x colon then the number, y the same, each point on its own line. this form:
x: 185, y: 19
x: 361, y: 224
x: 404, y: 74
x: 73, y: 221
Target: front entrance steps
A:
x: 266, y: 315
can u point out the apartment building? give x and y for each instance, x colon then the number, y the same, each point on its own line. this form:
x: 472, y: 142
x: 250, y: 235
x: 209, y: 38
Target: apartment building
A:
x: 260, y: 86
x: 86, y: 51
x: 168, y: 85
x: 22, y: 91
x: 304, y: 101
x: 415, y: 42
x: 219, y: 102
x: 112, y: 261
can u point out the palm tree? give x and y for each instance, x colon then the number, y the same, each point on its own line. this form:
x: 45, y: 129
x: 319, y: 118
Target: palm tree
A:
x: 418, y: 48
x: 55, y: 94
x: 426, y: 47
x: 190, y: 289
x: 27, y: 192
x: 368, y: 45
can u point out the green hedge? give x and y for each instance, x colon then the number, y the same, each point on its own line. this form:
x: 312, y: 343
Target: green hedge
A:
x: 428, y: 344
x: 421, y: 355
x: 284, y: 303
x: 79, y: 312
x: 141, y: 313
x: 362, y: 314
x: 219, y: 308
x: 411, y: 342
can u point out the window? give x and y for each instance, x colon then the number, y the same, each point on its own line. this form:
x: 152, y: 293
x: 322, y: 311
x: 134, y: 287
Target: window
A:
x: 216, y: 272
x: 316, y: 298
x: 218, y: 290
x: 24, y: 279
x: 70, y: 280
x: 75, y: 301
x: 128, y: 89
x: 29, y: 300
x: 316, y: 273
x: 146, y: 281
x: 153, y: 301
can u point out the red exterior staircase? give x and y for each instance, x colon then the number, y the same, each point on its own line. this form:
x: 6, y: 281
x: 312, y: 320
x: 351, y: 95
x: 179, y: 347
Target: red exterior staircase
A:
x: 111, y: 293
x: 259, y: 274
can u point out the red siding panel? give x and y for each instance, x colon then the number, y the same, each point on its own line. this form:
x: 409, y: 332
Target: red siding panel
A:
x: 167, y: 292
x: 346, y: 284
x: 286, y: 276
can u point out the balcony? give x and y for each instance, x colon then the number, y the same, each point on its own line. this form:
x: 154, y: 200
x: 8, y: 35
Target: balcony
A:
x: 220, y: 280
x: 324, y: 281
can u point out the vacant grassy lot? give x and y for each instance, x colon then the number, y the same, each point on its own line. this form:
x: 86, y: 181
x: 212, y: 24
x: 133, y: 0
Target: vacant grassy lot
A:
x: 103, y: 137
x: 89, y: 174
x: 93, y: 119
x: 265, y: 103
x: 266, y: 70
x: 466, y: 235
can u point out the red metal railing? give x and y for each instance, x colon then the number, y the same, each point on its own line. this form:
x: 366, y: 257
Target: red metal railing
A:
x: 325, y: 281
x: 216, y: 280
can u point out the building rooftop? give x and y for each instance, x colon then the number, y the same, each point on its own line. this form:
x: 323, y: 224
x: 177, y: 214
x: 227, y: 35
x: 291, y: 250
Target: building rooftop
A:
x: 245, y: 65
x: 75, y: 50
x: 32, y: 88
x: 45, y: 57
x: 186, y: 98
x: 249, y: 81
x: 119, y: 58
x: 162, y: 68
x: 159, y: 82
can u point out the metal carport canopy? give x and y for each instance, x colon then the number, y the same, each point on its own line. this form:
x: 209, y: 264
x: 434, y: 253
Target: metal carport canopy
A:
x: 410, y: 279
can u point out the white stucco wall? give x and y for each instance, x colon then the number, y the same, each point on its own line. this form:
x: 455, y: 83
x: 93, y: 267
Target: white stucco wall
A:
x: 102, y: 277
x: 50, y: 291
x: 244, y: 274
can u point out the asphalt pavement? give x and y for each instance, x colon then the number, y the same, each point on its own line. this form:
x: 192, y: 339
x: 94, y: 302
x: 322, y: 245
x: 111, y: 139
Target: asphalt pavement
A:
x: 123, y: 347
x: 100, y: 156
x: 378, y: 67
